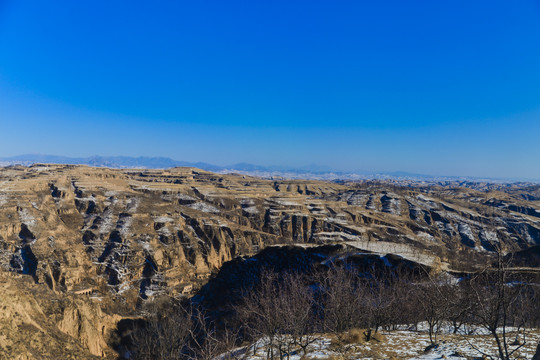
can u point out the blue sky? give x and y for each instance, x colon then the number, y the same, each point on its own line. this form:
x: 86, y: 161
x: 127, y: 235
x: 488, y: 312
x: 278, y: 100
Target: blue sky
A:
x: 434, y: 87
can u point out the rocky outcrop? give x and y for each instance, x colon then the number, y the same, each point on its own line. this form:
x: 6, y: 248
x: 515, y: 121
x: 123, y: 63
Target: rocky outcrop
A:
x: 86, y: 322
x: 36, y: 323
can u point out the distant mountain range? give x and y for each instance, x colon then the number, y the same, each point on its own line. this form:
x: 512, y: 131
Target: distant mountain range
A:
x: 311, y: 171
x: 145, y: 162
x: 120, y: 162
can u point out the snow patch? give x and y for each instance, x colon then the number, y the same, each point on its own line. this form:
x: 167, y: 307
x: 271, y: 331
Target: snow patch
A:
x: 489, y: 235
x: 185, y: 197
x: 425, y: 236
x: 251, y: 210
x: 163, y: 219
x: 26, y: 217
x: 204, y: 207
x: 465, y: 230
x: 284, y: 202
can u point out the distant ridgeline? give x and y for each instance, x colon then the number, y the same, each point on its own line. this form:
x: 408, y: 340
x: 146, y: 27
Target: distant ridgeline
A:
x: 314, y: 172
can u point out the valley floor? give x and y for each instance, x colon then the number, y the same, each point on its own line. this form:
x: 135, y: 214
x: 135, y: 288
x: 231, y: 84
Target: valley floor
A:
x: 404, y: 344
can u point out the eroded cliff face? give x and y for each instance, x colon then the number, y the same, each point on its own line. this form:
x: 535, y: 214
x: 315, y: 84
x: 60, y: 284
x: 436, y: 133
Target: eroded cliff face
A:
x: 36, y: 323
x: 107, y: 239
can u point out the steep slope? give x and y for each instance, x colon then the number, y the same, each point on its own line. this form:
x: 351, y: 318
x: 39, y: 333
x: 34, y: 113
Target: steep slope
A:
x: 38, y: 324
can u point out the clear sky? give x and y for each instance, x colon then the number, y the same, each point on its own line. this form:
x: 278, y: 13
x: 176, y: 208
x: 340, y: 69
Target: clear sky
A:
x: 434, y: 87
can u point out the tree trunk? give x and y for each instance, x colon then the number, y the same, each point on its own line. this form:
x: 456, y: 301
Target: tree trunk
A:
x: 537, y: 354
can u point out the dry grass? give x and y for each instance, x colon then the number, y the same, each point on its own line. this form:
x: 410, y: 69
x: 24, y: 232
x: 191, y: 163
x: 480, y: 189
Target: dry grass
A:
x: 344, y: 341
x: 335, y: 357
x: 354, y: 336
x: 360, y: 336
x: 350, y: 341
x: 378, y: 337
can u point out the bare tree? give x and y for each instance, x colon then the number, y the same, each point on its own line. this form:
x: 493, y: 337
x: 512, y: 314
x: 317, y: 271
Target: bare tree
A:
x: 280, y: 312
x: 298, y: 311
x: 164, y: 335
x: 458, y: 307
x: 404, y: 309
x: 259, y: 313
x: 433, y: 298
x: 207, y: 341
x: 383, y: 293
x: 494, y: 297
x: 342, y: 296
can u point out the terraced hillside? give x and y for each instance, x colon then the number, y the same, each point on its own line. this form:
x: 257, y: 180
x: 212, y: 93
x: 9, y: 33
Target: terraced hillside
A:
x: 95, y: 242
